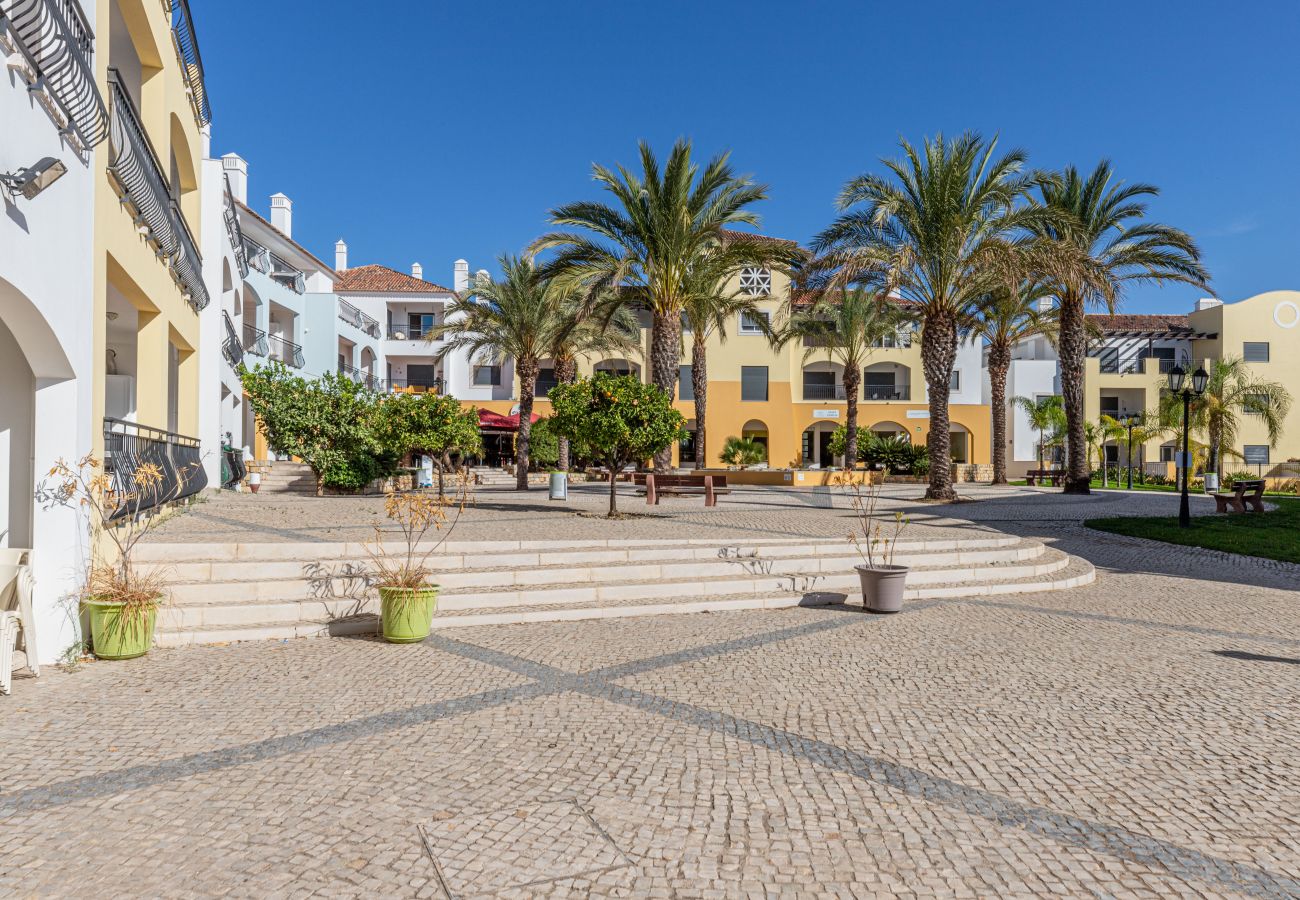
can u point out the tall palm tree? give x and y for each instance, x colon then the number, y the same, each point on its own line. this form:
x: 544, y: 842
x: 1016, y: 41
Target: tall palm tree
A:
x: 1007, y: 317
x: 846, y: 326
x: 516, y: 317
x: 940, y: 230
x: 1231, y: 391
x: 645, y: 243
x: 1046, y: 416
x: 1102, y: 221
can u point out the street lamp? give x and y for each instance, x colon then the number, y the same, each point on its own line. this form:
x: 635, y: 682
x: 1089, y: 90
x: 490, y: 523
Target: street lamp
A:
x: 1178, y: 385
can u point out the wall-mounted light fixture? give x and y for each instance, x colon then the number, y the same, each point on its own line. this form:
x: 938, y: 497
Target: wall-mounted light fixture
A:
x: 32, y: 180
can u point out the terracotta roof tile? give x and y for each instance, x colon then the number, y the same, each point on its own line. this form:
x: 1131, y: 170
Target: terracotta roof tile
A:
x: 383, y: 280
x: 1120, y: 322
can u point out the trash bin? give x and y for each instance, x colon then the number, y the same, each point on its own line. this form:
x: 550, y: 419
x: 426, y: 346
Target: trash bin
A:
x: 559, y: 485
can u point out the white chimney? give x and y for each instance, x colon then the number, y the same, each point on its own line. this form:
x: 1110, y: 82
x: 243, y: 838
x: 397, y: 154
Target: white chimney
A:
x: 282, y: 214
x: 236, y: 169
x: 1207, y: 303
x: 482, y: 276
x: 1044, y: 304
x: 340, y: 255
x: 460, y: 278
x: 417, y: 271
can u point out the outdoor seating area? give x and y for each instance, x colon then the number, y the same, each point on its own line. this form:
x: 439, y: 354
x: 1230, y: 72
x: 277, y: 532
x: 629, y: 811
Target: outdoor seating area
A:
x: 1045, y: 477
x: 1243, y: 496
x: 654, y: 485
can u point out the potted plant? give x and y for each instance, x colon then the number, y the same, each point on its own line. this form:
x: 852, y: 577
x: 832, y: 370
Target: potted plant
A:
x: 875, y: 536
x: 407, y: 594
x: 120, y: 601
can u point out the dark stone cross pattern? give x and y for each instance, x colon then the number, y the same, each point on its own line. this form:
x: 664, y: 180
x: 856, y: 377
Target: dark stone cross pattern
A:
x: 545, y: 680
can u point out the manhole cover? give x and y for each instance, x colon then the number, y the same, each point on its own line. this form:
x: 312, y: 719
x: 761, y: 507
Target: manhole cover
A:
x: 507, y: 849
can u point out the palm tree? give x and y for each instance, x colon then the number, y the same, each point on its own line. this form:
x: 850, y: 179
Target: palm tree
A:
x: 1005, y: 319
x: 847, y: 326
x: 646, y: 243
x: 1046, y: 416
x: 1101, y: 221
x: 1231, y: 390
x: 1107, y: 429
x: 940, y: 231
x: 516, y: 317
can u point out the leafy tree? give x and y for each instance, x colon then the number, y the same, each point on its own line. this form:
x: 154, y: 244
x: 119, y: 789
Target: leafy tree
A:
x: 846, y: 326
x: 742, y: 451
x: 1101, y: 222
x: 619, y: 418
x: 430, y: 424
x: 1046, y: 416
x: 325, y: 422
x: 645, y: 243
x: 1231, y: 391
x: 1007, y: 317
x: 892, y: 451
x: 940, y: 231
x: 1097, y: 435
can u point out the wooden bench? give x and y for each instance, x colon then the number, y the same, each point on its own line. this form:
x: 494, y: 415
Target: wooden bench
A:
x: 1242, y: 493
x: 1047, y: 476
x: 655, y: 484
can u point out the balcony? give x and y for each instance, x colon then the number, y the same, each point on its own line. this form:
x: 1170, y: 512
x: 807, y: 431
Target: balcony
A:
x: 55, y: 46
x: 128, y: 447
x: 139, y: 176
x: 285, y: 351
x: 357, y: 319
x: 255, y: 340
x: 363, y: 378
x: 823, y: 392
x: 231, y: 347
x: 885, y: 392
x: 187, y: 52
x: 287, y: 275
x: 259, y: 257
x: 414, y: 385
x: 231, y: 215
x: 412, y: 333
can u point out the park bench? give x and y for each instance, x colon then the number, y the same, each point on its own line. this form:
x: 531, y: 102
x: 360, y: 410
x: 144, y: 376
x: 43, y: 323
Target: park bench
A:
x: 1046, y: 476
x: 655, y: 484
x: 1242, y: 493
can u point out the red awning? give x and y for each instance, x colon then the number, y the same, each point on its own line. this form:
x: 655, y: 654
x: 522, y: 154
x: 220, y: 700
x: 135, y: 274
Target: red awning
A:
x: 497, y: 422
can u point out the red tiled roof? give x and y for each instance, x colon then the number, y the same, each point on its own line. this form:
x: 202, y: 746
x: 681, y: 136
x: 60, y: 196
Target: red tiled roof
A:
x: 383, y: 280
x: 732, y: 234
x: 1122, y: 322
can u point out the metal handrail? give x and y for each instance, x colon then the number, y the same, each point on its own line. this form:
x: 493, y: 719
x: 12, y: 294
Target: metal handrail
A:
x: 255, y: 340
x: 361, y: 377
x: 231, y: 348
x: 879, y: 392
x: 295, y: 281
x: 233, y: 230
x: 416, y: 333
x: 57, y: 43
x: 129, y: 446
x: 417, y: 386
x: 357, y: 319
x: 259, y: 257
x: 187, y: 263
x: 823, y: 391
x: 285, y: 350
x: 187, y: 51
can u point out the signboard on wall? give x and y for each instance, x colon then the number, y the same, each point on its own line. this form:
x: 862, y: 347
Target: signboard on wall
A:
x: 826, y: 413
x: 918, y: 414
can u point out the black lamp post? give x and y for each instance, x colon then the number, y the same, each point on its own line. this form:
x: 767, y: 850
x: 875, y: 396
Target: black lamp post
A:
x: 1178, y: 385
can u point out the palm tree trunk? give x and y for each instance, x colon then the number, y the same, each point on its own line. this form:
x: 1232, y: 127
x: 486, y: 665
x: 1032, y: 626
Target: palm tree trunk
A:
x: 852, y: 381
x: 1073, y: 352
x: 1214, y: 435
x: 665, y: 357
x: 566, y: 370
x: 527, y: 388
x: 700, y: 387
x: 999, y: 363
x: 938, y: 352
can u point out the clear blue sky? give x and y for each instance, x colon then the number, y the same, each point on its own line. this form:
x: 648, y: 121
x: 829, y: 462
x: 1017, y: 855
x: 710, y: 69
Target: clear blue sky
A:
x: 432, y: 130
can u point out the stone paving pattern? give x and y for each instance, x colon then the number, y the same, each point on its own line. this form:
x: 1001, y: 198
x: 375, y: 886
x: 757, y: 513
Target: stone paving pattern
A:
x: 1133, y: 738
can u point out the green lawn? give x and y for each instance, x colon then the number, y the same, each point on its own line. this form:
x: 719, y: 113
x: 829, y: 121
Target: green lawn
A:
x: 1272, y: 535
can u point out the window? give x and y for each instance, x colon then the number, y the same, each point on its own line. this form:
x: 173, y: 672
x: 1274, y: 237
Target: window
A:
x: 954, y: 383
x: 1109, y: 359
x: 755, y: 281
x: 749, y: 323
x: 419, y: 324
x: 485, y: 376
x: 1255, y: 351
x: 1110, y: 407
x: 1255, y: 454
x: 685, y: 387
x: 753, y: 383
x: 421, y: 375
x: 686, y: 448
x: 1167, y: 453
x: 1255, y: 404
x: 545, y: 381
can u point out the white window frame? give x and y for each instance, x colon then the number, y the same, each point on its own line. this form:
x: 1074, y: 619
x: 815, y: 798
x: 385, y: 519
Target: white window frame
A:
x: 491, y: 383
x: 956, y: 376
x: 743, y: 328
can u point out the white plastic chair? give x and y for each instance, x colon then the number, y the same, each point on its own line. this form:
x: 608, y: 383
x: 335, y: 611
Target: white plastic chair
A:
x: 16, y: 611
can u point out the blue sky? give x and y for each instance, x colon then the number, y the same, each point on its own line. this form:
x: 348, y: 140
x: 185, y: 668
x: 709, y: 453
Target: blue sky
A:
x: 427, y: 131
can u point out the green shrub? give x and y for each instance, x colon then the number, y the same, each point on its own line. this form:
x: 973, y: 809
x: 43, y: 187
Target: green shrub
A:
x: 739, y: 451
x: 1233, y: 477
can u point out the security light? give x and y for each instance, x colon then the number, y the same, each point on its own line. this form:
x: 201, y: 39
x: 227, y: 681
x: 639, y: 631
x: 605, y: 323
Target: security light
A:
x: 1199, y: 379
x: 1176, y: 376
x: 31, y: 181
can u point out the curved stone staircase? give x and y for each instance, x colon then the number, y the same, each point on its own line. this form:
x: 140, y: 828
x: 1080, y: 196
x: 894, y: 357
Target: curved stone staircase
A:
x: 236, y: 592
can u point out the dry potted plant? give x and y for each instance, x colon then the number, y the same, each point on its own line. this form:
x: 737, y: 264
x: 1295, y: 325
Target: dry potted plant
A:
x: 407, y: 594
x: 120, y: 600
x: 876, y: 537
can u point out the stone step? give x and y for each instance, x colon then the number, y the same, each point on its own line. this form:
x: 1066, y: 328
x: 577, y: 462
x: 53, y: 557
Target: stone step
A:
x: 1078, y: 572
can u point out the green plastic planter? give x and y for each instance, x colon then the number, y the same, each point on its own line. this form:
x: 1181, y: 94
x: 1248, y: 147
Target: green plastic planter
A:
x: 117, y: 636
x: 405, y: 613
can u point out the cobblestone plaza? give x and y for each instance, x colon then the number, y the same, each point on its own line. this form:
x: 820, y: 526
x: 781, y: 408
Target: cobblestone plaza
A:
x: 1133, y: 737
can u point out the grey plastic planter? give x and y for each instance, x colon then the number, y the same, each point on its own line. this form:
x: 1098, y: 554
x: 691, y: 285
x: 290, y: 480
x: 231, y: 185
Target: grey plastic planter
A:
x: 882, y: 587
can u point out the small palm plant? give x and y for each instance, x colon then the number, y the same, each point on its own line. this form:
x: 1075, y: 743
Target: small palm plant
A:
x: 742, y: 451
x: 1046, y: 416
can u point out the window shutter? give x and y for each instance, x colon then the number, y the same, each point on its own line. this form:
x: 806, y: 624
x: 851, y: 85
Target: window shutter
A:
x: 1255, y: 351
x: 1255, y: 454
x: 685, y: 387
x: 753, y: 383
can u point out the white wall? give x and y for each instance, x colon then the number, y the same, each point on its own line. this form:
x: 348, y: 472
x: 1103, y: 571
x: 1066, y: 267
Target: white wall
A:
x: 1032, y: 379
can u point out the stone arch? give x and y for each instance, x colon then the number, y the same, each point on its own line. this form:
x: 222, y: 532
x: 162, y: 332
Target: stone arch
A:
x: 618, y: 366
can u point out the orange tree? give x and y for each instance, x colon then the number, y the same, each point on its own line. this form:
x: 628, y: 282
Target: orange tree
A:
x: 620, y: 419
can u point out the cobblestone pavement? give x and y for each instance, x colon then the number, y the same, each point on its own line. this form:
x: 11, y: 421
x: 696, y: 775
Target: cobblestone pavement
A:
x: 1136, y: 737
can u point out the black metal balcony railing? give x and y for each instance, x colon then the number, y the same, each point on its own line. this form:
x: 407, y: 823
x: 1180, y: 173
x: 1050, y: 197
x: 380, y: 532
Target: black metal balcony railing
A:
x: 290, y: 276
x: 823, y: 391
x: 361, y: 377
x: 255, y: 340
x: 410, y: 332
x: 885, y: 392
x: 259, y: 257
x: 285, y: 351
x: 55, y: 40
x: 233, y: 232
x: 128, y: 447
x: 357, y: 319
x: 231, y: 348
x: 187, y: 51
x: 135, y: 167
x: 414, y: 385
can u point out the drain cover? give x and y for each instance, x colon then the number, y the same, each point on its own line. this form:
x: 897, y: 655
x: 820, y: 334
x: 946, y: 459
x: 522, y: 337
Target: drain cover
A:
x: 518, y: 847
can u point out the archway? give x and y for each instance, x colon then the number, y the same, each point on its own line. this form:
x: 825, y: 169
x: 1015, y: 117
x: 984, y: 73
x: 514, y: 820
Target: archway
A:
x: 963, y: 453
x: 756, y: 430
x: 823, y: 381
x: 816, y: 452
x: 886, y: 381
x: 618, y: 367
x: 891, y: 429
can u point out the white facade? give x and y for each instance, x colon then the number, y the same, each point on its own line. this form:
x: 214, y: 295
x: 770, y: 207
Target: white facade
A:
x: 47, y: 325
